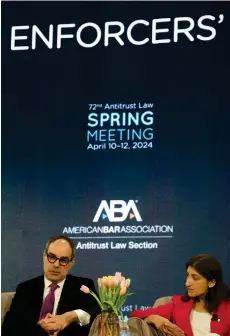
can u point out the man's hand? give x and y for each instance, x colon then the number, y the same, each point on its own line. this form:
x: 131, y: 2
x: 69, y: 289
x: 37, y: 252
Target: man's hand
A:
x: 50, y: 328
x: 53, y: 324
x: 168, y: 328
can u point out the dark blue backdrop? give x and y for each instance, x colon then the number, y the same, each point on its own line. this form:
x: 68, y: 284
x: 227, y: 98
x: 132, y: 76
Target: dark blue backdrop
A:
x: 49, y: 179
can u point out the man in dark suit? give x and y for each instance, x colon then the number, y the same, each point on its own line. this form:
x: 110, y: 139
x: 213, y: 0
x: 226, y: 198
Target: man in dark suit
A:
x: 52, y: 303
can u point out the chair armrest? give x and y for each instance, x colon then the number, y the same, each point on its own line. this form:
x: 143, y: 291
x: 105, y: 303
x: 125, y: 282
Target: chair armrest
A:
x: 155, y: 331
x: 139, y: 327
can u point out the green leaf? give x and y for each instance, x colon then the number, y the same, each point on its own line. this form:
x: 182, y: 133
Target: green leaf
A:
x: 121, y: 301
x: 122, y: 316
x: 112, y: 306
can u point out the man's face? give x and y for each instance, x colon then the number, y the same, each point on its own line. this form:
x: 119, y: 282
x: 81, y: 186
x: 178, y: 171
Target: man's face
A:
x: 196, y: 284
x: 54, y: 271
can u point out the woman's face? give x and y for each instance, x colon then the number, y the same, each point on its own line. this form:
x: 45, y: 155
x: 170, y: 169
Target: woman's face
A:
x: 196, y: 284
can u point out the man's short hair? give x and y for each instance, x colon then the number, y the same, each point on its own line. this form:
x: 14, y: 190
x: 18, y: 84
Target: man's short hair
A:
x: 63, y: 237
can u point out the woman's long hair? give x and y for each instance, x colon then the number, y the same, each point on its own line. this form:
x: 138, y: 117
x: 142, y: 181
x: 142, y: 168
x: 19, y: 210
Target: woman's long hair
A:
x: 210, y: 268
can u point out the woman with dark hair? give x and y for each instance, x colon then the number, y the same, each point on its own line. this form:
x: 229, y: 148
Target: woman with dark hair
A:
x: 204, y: 309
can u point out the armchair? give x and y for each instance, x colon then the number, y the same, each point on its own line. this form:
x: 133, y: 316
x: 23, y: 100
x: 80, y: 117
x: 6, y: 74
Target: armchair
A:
x: 6, y: 299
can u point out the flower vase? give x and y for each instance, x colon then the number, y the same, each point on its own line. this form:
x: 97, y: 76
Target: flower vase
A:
x: 108, y: 324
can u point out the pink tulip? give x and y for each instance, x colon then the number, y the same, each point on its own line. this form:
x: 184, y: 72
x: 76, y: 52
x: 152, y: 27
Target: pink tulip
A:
x: 123, y: 290
x: 99, y: 282
x: 85, y: 289
x: 117, y: 278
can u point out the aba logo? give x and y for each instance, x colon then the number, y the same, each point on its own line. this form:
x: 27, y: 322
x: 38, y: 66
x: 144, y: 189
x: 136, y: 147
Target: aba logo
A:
x: 117, y: 211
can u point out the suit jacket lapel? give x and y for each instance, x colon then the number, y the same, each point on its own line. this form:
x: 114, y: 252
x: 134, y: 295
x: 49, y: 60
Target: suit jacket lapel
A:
x: 184, y: 312
x: 38, y: 296
x: 64, y: 297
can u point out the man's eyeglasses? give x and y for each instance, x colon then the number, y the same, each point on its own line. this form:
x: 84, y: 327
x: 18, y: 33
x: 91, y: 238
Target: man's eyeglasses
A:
x: 63, y: 261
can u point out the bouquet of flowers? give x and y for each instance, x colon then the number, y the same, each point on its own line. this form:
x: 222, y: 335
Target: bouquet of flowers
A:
x: 113, y: 292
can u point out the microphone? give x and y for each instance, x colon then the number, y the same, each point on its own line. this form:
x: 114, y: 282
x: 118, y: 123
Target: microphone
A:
x: 215, y: 317
x: 171, y: 318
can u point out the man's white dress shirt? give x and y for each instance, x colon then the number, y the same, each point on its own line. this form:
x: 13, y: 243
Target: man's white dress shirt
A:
x: 83, y: 316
